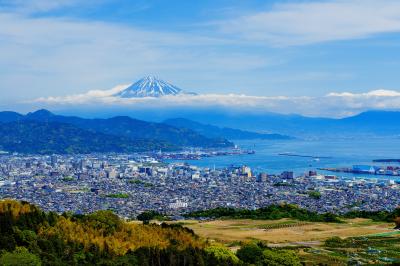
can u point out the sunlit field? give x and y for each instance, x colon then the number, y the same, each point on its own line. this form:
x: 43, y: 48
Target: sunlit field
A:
x: 285, y: 231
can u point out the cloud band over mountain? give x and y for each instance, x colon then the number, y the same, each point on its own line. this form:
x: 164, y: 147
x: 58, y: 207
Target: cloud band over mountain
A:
x: 331, y: 105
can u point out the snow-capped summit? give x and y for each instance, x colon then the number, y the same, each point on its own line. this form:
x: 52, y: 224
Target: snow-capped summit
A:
x: 149, y: 87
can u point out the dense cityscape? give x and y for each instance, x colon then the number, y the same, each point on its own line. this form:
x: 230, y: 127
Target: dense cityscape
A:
x: 199, y: 133
x: 132, y: 184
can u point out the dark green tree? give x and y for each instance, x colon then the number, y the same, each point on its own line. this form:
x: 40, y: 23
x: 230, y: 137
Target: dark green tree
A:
x: 147, y: 216
x: 250, y: 253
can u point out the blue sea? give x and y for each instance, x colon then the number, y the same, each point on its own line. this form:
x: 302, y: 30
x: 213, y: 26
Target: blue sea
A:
x: 341, y: 153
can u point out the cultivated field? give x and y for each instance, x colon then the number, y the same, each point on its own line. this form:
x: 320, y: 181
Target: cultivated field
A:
x: 285, y: 231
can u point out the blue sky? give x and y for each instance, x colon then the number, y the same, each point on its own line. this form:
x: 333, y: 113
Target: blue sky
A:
x: 294, y: 49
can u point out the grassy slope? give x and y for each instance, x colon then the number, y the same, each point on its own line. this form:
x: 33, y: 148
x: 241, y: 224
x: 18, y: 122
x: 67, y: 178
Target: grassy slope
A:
x: 284, y: 230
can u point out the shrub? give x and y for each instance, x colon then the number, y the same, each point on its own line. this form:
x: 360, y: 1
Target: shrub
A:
x: 250, y: 253
x: 281, y: 258
x: 19, y: 257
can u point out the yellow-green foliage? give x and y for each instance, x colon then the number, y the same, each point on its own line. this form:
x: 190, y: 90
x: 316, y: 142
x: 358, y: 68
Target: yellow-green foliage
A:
x: 19, y: 257
x: 16, y: 208
x: 124, y: 238
x: 221, y: 253
x: 105, y: 230
x: 281, y: 258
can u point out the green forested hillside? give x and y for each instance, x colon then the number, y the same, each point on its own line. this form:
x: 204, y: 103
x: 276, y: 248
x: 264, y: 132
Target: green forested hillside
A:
x: 124, y: 127
x: 272, y: 212
x: 30, y: 236
x: 51, y: 137
x: 275, y: 212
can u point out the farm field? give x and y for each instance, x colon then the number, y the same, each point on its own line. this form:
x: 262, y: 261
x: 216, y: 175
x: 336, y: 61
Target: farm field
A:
x: 382, y: 249
x: 285, y: 231
x: 361, y: 241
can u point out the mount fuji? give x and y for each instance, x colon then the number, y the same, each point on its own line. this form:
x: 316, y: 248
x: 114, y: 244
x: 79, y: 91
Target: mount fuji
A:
x: 150, y: 87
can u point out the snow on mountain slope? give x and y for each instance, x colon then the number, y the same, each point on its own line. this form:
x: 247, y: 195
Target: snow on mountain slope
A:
x: 149, y: 87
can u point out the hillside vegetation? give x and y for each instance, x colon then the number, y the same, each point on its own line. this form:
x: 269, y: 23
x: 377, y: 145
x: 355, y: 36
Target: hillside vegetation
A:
x: 275, y: 212
x: 272, y: 212
x: 64, y: 134
x: 49, y: 138
x: 30, y: 236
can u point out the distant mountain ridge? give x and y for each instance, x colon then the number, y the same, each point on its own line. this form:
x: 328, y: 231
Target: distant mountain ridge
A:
x: 151, y: 135
x: 133, y: 128
x: 212, y: 131
x: 9, y: 116
x: 118, y: 128
x: 372, y: 123
x: 35, y: 137
x: 150, y: 87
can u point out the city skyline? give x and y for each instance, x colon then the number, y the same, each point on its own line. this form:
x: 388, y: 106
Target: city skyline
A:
x: 199, y: 133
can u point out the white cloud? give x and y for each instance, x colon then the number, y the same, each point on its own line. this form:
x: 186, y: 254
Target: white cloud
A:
x: 52, y: 55
x: 316, y: 21
x: 56, y: 55
x: 374, y: 93
x: 92, y: 96
x: 332, y: 104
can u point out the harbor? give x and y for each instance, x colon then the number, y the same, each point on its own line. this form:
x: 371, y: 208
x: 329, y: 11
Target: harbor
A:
x: 366, y: 170
x: 196, y: 155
